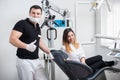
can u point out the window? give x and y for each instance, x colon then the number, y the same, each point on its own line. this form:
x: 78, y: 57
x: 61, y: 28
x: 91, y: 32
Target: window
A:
x: 110, y: 22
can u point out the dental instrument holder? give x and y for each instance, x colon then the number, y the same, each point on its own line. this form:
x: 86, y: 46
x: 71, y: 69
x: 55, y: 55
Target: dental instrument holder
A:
x: 51, y: 36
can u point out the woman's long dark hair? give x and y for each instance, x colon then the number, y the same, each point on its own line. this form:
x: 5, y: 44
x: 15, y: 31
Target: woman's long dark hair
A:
x: 66, y: 42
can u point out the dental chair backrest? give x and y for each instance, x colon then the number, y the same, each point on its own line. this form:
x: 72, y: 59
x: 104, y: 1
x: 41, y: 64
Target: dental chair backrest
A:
x: 74, y: 70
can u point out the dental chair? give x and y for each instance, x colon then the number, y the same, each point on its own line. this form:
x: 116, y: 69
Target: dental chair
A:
x: 76, y: 70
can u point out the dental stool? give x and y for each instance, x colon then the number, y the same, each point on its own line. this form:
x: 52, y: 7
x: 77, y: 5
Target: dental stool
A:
x: 76, y: 70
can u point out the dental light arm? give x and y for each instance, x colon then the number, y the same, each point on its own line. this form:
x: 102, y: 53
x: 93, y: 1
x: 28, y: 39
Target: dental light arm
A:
x: 97, y: 4
x: 108, y: 5
x: 49, y: 18
x: 62, y: 12
x: 47, y: 5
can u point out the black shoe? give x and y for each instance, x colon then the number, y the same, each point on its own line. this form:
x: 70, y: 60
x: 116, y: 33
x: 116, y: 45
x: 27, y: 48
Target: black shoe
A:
x: 116, y: 61
x: 109, y: 63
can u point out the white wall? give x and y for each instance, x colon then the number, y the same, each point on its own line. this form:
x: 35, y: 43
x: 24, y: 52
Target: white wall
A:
x: 85, y: 26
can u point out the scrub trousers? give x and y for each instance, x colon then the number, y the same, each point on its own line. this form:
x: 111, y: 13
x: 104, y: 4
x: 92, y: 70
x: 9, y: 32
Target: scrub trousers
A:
x: 30, y: 69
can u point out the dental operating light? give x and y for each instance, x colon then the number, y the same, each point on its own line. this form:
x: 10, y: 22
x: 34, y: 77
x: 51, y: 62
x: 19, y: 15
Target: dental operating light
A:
x: 98, y: 3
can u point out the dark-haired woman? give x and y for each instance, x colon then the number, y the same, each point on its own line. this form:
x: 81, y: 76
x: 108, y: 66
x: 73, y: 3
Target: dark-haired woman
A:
x: 75, y: 52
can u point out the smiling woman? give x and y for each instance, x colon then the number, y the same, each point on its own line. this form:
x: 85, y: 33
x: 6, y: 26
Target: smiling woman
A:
x: 75, y: 52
